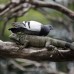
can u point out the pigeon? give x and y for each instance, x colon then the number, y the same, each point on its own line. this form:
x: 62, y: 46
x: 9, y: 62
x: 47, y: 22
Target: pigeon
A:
x: 31, y: 28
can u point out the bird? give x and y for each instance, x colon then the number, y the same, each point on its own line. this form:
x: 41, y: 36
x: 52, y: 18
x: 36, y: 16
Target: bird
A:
x: 31, y: 28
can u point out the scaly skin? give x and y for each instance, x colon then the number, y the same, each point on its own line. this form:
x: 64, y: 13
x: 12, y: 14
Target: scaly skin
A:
x: 40, y: 41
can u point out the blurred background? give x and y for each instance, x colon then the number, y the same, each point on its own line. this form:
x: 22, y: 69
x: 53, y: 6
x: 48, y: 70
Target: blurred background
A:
x: 19, y: 10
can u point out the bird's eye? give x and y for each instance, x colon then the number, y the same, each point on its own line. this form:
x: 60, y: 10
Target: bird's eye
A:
x: 51, y: 28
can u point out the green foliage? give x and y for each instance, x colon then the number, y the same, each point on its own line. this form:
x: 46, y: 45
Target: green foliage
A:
x: 71, y: 6
x: 34, y: 15
x: 4, y: 1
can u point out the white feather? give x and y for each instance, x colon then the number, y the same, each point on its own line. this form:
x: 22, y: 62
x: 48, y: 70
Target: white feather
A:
x: 34, y: 25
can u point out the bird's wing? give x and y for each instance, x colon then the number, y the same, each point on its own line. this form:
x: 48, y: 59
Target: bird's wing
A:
x: 20, y: 29
x: 23, y: 30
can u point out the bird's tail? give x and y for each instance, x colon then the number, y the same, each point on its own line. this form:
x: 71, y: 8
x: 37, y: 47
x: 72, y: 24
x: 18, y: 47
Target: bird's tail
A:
x: 15, y: 30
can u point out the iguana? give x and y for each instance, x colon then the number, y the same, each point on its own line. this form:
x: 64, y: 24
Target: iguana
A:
x: 39, y: 41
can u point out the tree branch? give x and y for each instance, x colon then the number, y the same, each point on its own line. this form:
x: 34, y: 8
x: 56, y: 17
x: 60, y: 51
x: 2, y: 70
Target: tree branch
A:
x: 55, y: 6
x: 11, y: 50
x: 15, y: 7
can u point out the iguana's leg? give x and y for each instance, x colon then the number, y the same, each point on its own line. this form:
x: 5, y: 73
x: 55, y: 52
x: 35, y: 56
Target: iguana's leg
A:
x: 49, y: 46
x: 21, y: 47
x: 25, y: 44
x: 25, y: 41
x: 52, y: 48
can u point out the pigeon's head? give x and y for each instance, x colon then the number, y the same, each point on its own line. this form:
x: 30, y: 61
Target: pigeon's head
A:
x: 50, y: 27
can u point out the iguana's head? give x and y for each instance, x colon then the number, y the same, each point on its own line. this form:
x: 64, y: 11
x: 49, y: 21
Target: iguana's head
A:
x: 14, y: 37
x: 17, y: 38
